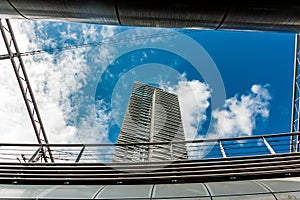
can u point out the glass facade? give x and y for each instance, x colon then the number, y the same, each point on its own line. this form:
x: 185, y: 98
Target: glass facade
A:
x: 152, y: 115
x: 264, y: 189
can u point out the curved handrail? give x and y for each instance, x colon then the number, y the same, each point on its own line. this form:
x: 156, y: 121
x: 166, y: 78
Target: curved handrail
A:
x: 246, y: 146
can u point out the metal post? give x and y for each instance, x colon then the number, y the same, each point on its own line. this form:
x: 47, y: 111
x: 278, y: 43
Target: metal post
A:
x: 80, y: 154
x: 295, y: 123
x: 222, y: 149
x: 268, y: 146
x: 23, y: 81
x: 34, y: 157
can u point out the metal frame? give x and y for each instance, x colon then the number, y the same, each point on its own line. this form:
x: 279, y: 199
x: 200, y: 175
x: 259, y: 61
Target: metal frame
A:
x: 221, y: 169
x: 272, y: 144
x: 16, y: 60
x: 295, y: 122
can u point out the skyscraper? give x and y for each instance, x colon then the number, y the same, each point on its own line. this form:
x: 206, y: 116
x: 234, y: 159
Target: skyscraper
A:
x: 152, y: 116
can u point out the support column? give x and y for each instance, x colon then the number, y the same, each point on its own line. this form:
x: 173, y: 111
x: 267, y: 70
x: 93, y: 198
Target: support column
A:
x: 295, y: 122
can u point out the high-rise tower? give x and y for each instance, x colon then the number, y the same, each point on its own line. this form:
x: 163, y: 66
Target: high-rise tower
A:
x: 152, y: 115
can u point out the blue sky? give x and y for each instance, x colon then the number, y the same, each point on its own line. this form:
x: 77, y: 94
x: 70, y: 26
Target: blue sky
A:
x: 247, y: 58
x: 230, y: 83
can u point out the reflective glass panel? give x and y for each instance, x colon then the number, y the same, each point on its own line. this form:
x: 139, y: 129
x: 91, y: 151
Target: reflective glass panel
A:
x: 179, y: 190
x: 72, y: 191
x: 23, y: 191
x: 235, y: 187
x: 248, y: 197
x: 287, y: 195
x: 283, y: 184
x: 125, y: 191
x: 193, y: 198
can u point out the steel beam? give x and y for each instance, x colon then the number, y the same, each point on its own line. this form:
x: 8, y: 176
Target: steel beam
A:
x: 24, y: 84
x: 295, y: 122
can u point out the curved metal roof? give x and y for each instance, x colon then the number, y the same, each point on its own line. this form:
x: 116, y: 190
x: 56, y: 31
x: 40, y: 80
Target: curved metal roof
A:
x: 245, y: 15
x: 280, y: 188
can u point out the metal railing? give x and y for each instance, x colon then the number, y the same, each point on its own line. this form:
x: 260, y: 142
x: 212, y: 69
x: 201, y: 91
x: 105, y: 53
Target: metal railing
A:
x: 137, y: 152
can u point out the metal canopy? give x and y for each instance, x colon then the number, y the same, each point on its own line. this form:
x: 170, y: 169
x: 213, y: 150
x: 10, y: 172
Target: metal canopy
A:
x: 254, y: 15
x: 281, y: 188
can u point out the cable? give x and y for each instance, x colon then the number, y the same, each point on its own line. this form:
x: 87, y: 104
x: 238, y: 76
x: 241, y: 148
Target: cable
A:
x: 94, y: 44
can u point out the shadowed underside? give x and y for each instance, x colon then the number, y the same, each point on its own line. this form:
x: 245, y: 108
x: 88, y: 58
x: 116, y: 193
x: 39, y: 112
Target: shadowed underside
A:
x: 227, y: 15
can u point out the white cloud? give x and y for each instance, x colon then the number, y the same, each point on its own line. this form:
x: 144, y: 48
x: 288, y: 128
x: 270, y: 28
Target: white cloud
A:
x: 194, y: 100
x: 54, y: 79
x: 238, y: 117
x: 15, y: 122
x: 94, y: 128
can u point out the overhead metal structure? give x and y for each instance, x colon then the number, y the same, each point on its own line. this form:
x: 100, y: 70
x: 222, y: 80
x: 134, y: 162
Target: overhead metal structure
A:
x: 295, y: 122
x: 24, y: 84
x: 223, y: 15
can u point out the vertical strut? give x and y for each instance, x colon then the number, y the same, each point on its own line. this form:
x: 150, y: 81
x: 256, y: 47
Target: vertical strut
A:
x: 23, y: 81
x: 295, y: 123
x: 268, y: 146
x: 222, y: 149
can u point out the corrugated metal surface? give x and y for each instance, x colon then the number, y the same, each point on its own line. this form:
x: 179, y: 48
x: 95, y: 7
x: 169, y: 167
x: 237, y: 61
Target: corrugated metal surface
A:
x: 91, y: 11
x: 172, y: 14
x: 237, y: 15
